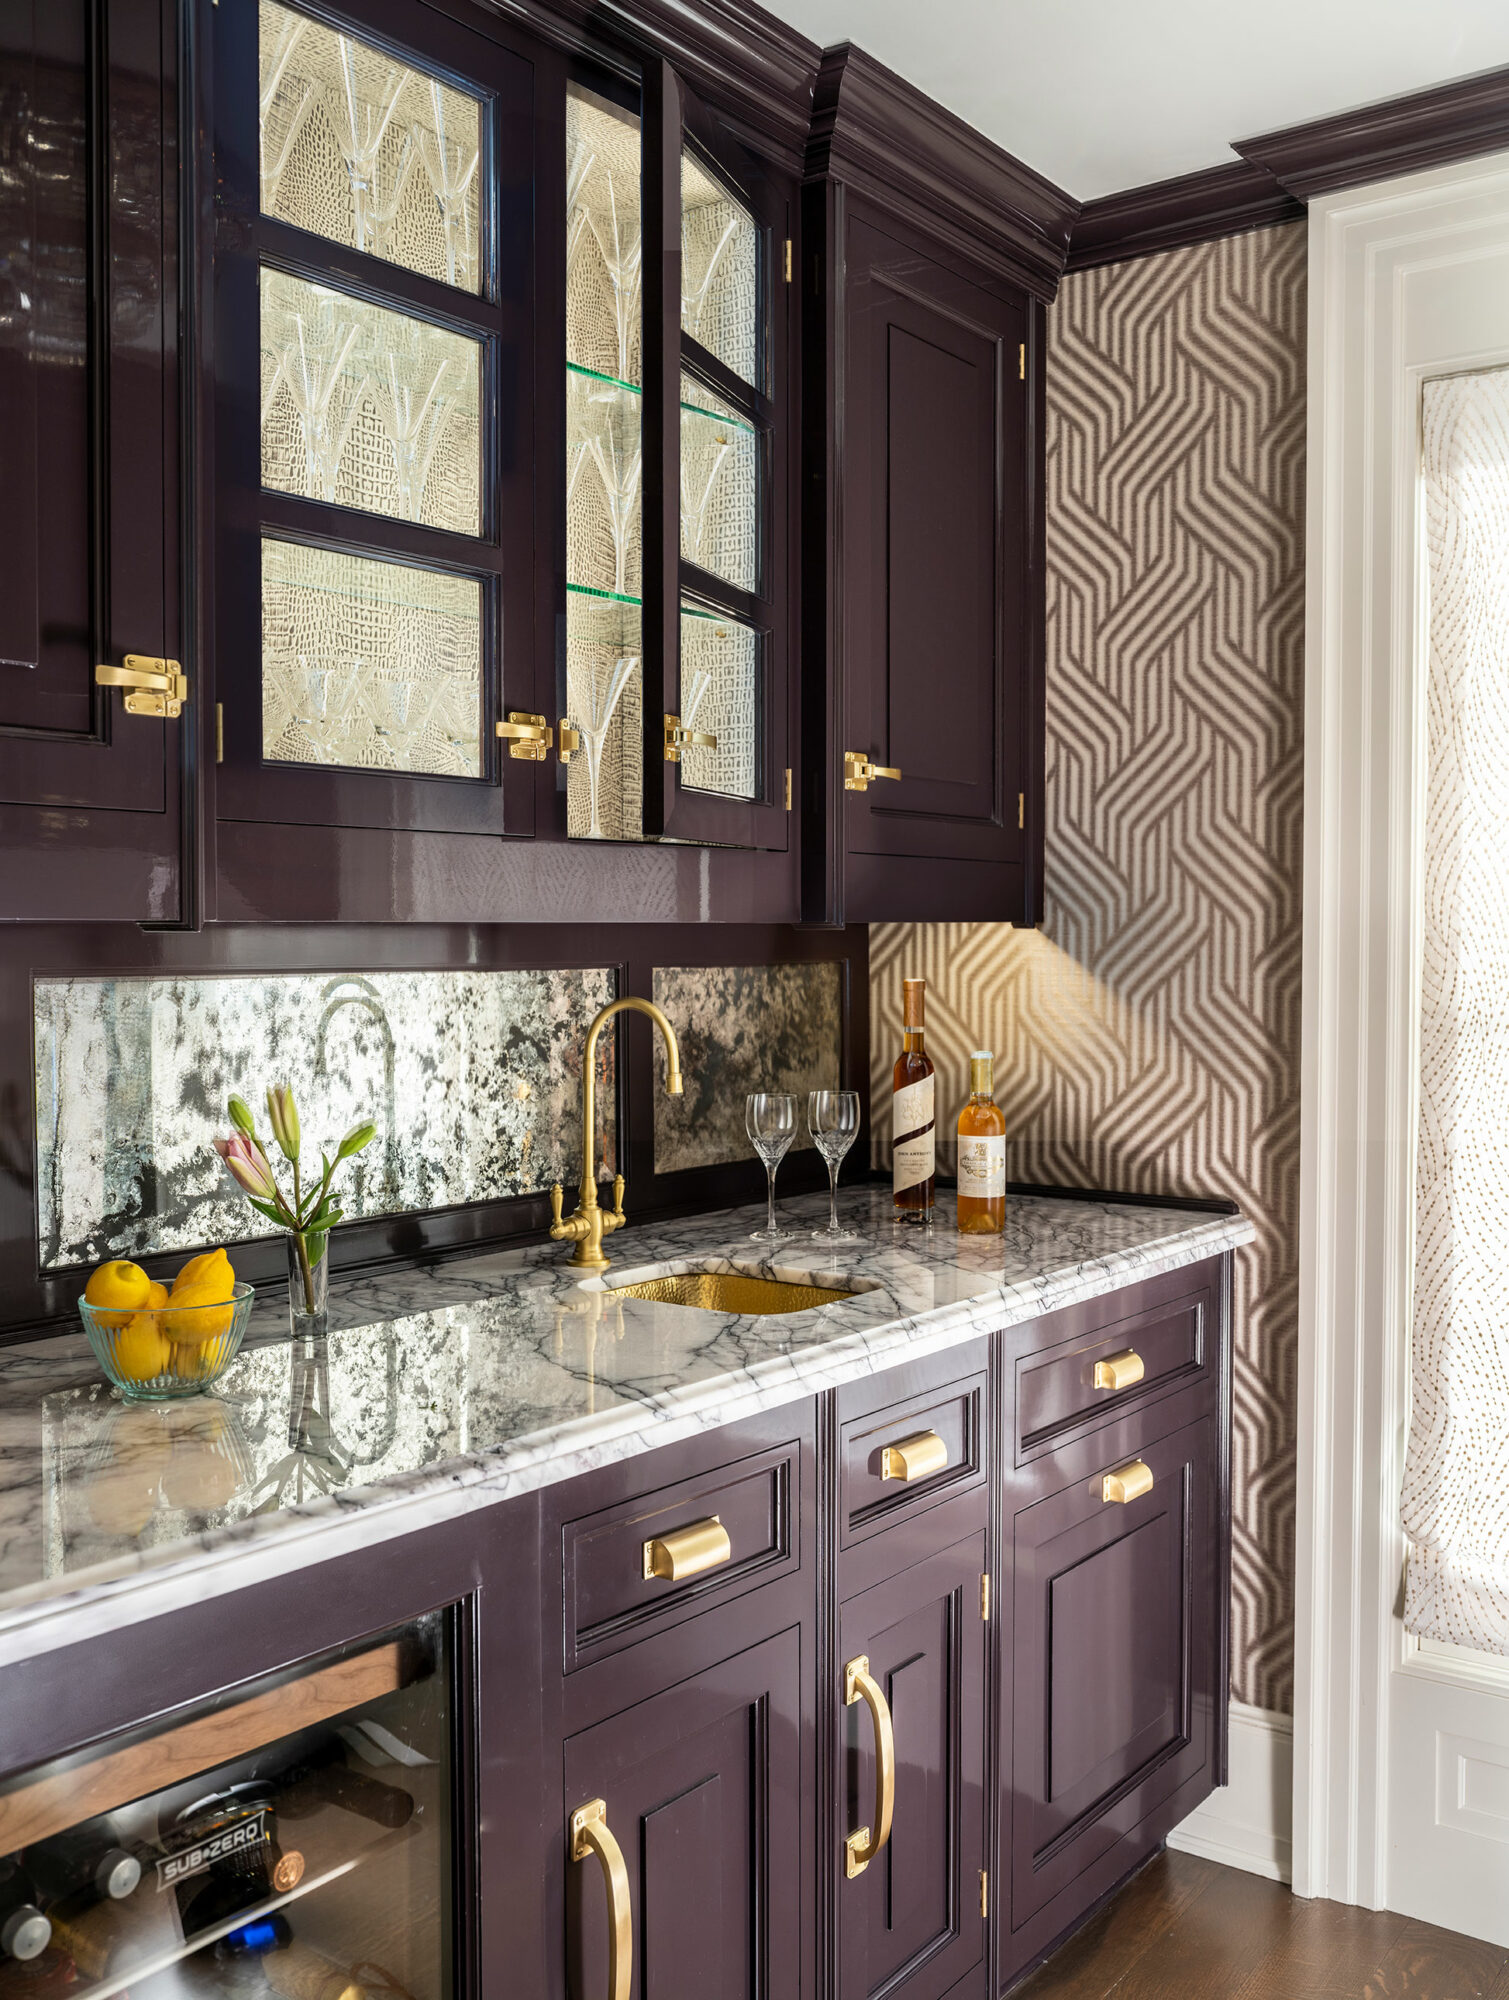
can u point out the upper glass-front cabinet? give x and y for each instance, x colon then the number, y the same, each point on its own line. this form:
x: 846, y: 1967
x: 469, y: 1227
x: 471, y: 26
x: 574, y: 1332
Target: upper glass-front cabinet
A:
x: 376, y: 547
x: 674, y: 685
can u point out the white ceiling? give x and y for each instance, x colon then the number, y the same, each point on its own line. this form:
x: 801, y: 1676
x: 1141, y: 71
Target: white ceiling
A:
x: 1101, y: 95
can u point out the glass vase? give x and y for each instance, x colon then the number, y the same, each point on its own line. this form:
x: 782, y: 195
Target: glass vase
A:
x: 308, y: 1281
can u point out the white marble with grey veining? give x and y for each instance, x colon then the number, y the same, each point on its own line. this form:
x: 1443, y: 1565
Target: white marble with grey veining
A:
x: 442, y: 1390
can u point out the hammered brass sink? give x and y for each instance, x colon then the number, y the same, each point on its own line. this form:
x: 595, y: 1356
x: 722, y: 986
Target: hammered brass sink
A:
x: 732, y: 1292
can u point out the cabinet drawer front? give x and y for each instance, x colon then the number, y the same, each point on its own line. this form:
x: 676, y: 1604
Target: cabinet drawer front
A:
x: 910, y: 1455
x: 1161, y: 1348
x: 1113, y: 1650
x: 611, y: 1601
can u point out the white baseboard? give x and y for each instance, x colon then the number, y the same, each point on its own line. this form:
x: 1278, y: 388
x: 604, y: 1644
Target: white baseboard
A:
x: 1250, y: 1822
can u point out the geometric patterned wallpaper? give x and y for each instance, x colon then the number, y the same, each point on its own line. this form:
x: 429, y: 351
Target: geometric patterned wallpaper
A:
x: 1147, y: 1036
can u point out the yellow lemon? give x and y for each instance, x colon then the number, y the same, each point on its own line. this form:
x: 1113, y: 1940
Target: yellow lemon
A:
x: 196, y: 1360
x: 140, y: 1350
x: 209, y: 1264
x: 157, y: 1295
x: 119, y: 1284
x: 200, y: 1311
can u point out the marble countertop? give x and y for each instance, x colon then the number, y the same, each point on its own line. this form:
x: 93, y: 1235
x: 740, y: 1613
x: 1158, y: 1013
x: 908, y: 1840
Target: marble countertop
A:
x: 449, y: 1388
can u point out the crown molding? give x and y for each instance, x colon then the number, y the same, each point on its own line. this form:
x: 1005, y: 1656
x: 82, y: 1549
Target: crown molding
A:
x: 1172, y: 214
x: 881, y: 137
x: 1430, y: 128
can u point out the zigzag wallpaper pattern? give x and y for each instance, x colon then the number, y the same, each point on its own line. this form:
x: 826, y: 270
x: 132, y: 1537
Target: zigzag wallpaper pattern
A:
x: 1147, y: 1037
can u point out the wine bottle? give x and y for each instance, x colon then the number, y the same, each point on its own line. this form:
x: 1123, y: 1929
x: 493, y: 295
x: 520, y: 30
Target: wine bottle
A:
x: 912, y: 1134
x: 87, y: 1860
x: 982, y: 1153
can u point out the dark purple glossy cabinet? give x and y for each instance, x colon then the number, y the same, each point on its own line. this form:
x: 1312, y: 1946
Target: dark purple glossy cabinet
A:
x: 88, y: 319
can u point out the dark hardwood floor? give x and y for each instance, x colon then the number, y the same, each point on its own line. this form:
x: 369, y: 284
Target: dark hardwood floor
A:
x: 1186, y: 1929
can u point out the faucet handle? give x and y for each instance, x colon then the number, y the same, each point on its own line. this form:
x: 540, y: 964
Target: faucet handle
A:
x: 618, y: 1196
x: 557, y: 1195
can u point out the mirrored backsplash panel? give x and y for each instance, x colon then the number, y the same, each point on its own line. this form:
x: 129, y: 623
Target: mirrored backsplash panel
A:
x: 473, y: 1080
x: 743, y: 1028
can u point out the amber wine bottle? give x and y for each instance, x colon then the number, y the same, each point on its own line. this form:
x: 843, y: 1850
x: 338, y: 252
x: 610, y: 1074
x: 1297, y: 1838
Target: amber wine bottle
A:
x: 982, y: 1153
x: 912, y: 1133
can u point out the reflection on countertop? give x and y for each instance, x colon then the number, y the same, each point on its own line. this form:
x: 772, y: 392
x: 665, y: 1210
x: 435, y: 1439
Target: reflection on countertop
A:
x: 447, y: 1388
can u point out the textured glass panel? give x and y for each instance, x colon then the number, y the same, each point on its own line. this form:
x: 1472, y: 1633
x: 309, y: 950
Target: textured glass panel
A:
x: 358, y: 147
x: 603, y: 264
x: 605, y: 702
x: 369, y: 408
x: 720, y: 696
x: 720, y: 487
x: 720, y: 272
x: 374, y: 665
x: 603, y: 547
x: 473, y: 1080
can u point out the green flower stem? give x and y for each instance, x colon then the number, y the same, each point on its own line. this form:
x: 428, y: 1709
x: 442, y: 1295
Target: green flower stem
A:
x: 304, y: 1266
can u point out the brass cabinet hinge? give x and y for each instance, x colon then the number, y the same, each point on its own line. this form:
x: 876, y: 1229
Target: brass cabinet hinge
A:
x: 1021, y: 809
x: 678, y: 739
x: 528, y: 736
x: 219, y: 732
x: 984, y: 1892
x: 788, y: 788
x: 569, y: 739
x: 154, y: 687
x: 788, y: 260
x: 985, y: 1597
x: 1021, y: 362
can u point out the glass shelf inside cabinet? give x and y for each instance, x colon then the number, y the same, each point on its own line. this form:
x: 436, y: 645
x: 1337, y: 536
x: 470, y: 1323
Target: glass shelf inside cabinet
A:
x: 357, y: 147
x: 720, y: 272
x: 293, y: 1844
x: 720, y: 696
x: 603, y: 475
x: 603, y: 244
x: 369, y: 408
x: 605, y: 704
x: 370, y: 665
x: 720, y: 487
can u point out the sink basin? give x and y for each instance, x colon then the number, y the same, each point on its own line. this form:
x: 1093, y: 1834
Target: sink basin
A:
x: 732, y: 1292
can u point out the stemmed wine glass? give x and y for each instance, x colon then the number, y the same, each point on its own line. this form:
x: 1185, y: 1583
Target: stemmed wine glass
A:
x: 833, y: 1121
x: 770, y: 1121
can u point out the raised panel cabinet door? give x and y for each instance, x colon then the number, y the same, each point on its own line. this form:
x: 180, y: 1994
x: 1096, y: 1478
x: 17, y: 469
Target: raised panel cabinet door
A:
x: 936, y: 653
x: 700, y: 1792
x: 910, y: 1923
x: 88, y: 506
x: 1110, y: 1690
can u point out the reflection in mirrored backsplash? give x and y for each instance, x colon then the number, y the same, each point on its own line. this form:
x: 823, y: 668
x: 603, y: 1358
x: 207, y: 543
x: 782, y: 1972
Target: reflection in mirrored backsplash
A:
x: 472, y: 1079
x: 743, y: 1028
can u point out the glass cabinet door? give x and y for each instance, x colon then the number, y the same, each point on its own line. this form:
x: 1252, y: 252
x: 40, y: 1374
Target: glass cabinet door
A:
x: 292, y: 1844
x: 372, y: 337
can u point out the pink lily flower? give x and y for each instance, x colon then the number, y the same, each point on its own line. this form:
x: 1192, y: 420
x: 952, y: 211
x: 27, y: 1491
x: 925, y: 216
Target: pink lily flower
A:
x: 244, y: 1162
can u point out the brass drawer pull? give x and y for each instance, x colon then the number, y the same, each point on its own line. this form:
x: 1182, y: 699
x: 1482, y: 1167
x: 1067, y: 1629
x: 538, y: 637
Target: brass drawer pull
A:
x: 860, y: 1847
x: 1127, y: 1482
x: 1119, y: 1371
x: 916, y: 1457
x: 527, y: 736
x: 687, y: 1551
x: 860, y: 773
x: 154, y: 687
x: 589, y: 1834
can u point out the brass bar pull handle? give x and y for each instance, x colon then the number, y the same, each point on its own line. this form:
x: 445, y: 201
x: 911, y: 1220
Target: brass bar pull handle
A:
x: 859, y: 772
x: 528, y: 736
x: 1127, y: 1482
x: 862, y: 1846
x: 153, y: 687
x: 688, y: 1551
x: 590, y: 1834
x: 916, y: 1457
x: 1119, y: 1371
x: 678, y: 739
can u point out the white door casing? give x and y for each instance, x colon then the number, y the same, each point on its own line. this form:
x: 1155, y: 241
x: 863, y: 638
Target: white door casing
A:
x: 1401, y: 1779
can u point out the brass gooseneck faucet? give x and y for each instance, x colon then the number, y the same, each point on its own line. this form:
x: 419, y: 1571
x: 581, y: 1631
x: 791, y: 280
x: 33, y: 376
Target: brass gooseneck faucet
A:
x: 590, y: 1223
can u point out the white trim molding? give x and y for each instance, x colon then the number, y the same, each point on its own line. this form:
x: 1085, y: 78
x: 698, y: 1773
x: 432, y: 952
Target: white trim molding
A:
x: 1247, y: 1824
x: 1408, y: 278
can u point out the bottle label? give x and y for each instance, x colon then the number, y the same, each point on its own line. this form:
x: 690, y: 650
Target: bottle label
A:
x: 982, y: 1166
x: 912, y: 1126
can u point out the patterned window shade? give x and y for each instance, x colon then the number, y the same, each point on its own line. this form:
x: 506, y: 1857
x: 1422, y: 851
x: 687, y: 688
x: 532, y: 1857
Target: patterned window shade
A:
x: 1456, y: 1482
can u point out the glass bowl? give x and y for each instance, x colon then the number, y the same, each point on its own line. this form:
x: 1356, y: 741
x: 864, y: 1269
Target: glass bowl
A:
x: 167, y: 1351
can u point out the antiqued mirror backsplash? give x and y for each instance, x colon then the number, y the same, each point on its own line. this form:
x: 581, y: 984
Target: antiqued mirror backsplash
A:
x: 472, y: 1079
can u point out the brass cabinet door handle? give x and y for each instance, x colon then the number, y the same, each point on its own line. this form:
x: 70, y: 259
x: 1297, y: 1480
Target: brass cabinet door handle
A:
x: 860, y: 773
x: 153, y: 686
x: 527, y: 736
x: 862, y: 1846
x: 589, y: 1834
x: 678, y: 739
x: 1119, y: 1371
x: 916, y: 1457
x: 1127, y: 1482
x: 687, y: 1551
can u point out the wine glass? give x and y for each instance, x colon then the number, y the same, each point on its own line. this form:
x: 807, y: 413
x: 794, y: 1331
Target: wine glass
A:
x: 770, y: 1121
x: 833, y: 1121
